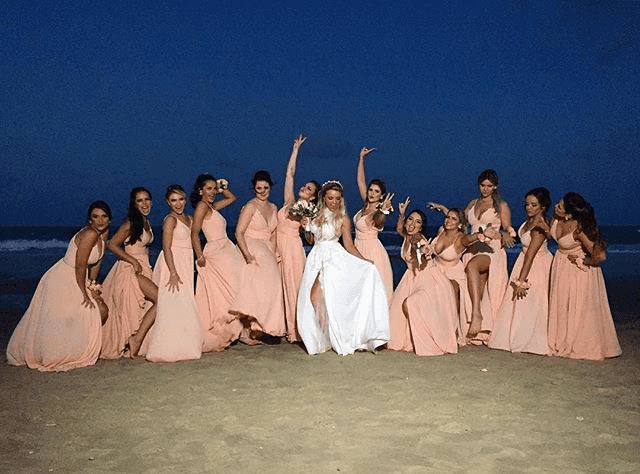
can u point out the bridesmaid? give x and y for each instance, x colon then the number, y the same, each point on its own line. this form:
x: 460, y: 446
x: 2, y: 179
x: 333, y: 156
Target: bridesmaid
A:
x: 289, y: 244
x: 422, y: 314
x: 259, y: 301
x: 369, y: 220
x: 176, y: 334
x: 448, y: 247
x: 580, y: 322
x: 485, y: 260
x: 219, y: 265
x: 62, y: 326
x: 129, y: 290
x: 521, y: 325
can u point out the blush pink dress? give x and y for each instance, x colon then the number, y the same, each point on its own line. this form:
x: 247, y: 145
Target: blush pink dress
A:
x: 521, y: 325
x: 124, y: 298
x: 371, y: 248
x: 260, y: 294
x: 292, y: 262
x: 448, y: 262
x: 176, y: 333
x: 57, y: 332
x: 498, y: 276
x: 430, y: 328
x: 217, y: 285
x: 580, y: 322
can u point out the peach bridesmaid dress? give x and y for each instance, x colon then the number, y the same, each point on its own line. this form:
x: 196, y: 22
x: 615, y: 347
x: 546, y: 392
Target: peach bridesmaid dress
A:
x: 217, y: 285
x: 498, y: 277
x: 57, y: 332
x: 292, y: 262
x: 176, y: 333
x: 580, y: 322
x: 521, y: 325
x: 430, y: 328
x: 260, y: 294
x: 124, y: 298
x: 371, y: 248
x: 448, y: 262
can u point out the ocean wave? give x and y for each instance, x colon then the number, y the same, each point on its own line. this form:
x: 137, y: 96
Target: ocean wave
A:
x: 17, y: 245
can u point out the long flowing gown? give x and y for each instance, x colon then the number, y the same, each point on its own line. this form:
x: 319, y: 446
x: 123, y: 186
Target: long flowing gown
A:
x: 430, y: 324
x: 260, y: 293
x: 354, y: 313
x: 449, y: 262
x: 371, y: 248
x: 217, y: 285
x: 57, y: 332
x: 580, y: 322
x: 498, y: 277
x: 521, y: 325
x: 292, y: 262
x: 124, y: 298
x: 176, y: 334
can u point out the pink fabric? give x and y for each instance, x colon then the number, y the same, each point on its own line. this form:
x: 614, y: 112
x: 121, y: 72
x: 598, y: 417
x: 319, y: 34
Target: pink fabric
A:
x: 124, y: 298
x: 521, y: 325
x: 371, y: 248
x: 429, y: 328
x: 580, y: 322
x: 57, y: 333
x: 217, y: 285
x: 292, y: 263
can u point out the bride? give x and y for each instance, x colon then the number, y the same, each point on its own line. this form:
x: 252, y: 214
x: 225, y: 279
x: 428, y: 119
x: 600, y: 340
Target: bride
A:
x: 342, y: 302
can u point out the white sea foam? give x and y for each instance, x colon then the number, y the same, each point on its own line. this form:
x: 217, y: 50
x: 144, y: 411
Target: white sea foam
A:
x: 17, y: 245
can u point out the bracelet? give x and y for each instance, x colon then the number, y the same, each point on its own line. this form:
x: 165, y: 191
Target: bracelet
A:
x: 523, y: 285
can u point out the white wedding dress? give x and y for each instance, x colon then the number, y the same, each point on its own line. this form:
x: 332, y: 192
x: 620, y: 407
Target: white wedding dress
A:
x: 355, y: 313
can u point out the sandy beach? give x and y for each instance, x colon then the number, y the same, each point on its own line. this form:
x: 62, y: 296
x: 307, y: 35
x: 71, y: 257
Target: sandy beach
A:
x: 275, y: 409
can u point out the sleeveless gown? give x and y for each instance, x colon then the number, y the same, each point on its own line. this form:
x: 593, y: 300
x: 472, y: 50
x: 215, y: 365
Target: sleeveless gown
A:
x: 124, y: 298
x: 260, y: 293
x: 498, y: 277
x: 448, y: 262
x: 371, y: 248
x: 292, y: 262
x: 354, y: 312
x: 57, y: 333
x: 430, y: 328
x: 176, y: 334
x: 521, y: 325
x: 217, y: 285
x: 580, y: 322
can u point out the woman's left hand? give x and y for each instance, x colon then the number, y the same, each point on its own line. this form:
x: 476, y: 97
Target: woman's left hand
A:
x: 87, y: 303
x: 386, y: 203
x: 174, y: 282
x: 508, y: 240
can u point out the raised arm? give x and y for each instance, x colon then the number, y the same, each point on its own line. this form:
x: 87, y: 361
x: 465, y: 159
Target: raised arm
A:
x: 228, y: 199
x: 289, y: 194
x: 241, y: 227
x: 196, y: 226
x: 168, y: 227
x: 438, y: 207
x: 362, y: 180
x: 85, y: 241
x: 402, y: 208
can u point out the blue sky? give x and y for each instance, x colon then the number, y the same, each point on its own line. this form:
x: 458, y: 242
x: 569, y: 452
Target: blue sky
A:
x: 98, y: 97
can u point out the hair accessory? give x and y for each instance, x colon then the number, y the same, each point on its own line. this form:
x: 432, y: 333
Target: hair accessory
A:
x: 331, y: 182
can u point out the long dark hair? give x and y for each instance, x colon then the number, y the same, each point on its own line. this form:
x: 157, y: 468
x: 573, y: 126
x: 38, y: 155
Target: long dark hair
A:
x: 492, y: 176
x: 543, y: 196
x: 99, y: 205
x: 135, y: 217
x: 423, y: 229
x: 196, y: 194
x: 582, y: 212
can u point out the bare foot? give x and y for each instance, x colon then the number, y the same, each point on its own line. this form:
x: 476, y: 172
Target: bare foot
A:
x: 131, y: 348
x: 474, y: 327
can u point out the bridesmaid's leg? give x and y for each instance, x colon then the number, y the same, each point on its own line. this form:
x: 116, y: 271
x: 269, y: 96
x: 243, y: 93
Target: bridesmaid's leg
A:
x: 477, y: 274
x: 150, y: 291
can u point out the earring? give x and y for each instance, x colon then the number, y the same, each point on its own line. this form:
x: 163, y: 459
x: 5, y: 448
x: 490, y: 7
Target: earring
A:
x: 201, y: 192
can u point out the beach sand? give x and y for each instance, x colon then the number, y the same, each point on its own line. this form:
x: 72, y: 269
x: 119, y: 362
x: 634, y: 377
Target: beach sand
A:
x: 275, y: 409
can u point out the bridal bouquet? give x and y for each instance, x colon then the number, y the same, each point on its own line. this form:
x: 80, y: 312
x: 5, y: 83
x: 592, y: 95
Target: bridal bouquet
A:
x: 304, y: 209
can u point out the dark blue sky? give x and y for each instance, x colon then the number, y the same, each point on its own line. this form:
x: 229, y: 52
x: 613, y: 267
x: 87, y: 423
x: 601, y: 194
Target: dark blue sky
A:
x: 101, y: 96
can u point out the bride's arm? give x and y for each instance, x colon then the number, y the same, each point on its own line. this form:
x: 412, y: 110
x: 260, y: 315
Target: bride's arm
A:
x: 347, y: 240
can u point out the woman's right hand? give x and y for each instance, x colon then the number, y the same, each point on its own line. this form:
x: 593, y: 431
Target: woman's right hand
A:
x: 201, y: 261
x: 365, y: 151
x: 87, y: 303
x: 174, y: 282
x: 402, y: 207
x: 298, y: 141
x: 137, y: 267
x: 249, y: 259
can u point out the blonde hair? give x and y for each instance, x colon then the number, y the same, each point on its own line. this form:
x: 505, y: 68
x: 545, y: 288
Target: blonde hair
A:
x: 338, y: 216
